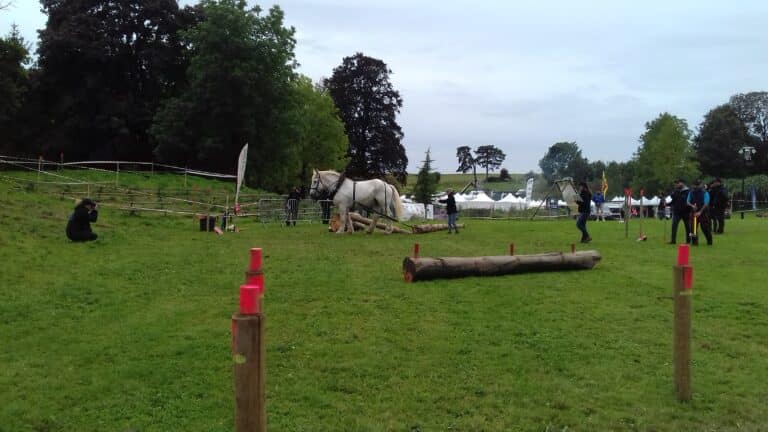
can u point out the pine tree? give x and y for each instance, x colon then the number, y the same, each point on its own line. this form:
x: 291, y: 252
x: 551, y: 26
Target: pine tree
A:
x: 426, y: 182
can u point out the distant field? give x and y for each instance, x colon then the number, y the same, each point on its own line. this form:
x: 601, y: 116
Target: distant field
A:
x: 132, y: 332
x: 458, y: 181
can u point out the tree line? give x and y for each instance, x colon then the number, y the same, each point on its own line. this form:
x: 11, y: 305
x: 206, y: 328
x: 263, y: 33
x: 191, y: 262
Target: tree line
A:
x: 147, y: 80
x: 668, y: 149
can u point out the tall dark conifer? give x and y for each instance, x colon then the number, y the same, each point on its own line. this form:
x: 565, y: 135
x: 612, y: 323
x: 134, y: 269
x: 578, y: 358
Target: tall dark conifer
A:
x: 368, y: 105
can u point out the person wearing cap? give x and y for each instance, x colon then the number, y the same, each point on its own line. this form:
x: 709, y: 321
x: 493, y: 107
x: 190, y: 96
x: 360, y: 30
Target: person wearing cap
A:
x: 718, y: 202
x: 698, y: 201
x: 680, y: 210
x: 450, y: 204
x: 585, y: 207
x: 79, y: 224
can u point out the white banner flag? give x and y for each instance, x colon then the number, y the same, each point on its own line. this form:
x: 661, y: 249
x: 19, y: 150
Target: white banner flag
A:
x: 241, y: 161
x: 529, y: 190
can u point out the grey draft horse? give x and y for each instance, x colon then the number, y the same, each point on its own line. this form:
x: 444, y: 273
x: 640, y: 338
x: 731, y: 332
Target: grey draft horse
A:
x: 375, y: 194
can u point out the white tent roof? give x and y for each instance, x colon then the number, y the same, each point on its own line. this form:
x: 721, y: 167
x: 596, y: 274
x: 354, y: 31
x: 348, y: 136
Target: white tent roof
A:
x: 482, y: 197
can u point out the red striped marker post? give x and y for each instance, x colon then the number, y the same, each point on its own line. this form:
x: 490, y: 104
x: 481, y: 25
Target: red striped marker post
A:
x: 248, y: 351
x: 682, y: 290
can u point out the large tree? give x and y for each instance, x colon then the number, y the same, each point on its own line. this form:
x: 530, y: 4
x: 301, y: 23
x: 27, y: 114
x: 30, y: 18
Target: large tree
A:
x: 489, y: 157
x: 564, y: 159
x: 240, y: 74
x: 466, y: 161
x: 311, y: 127
x: 104, y: 67
x: 665, y: 153
x: 721, y: 135
x: 14, y: 83
x: 752, y: 109
x: 368, y: 105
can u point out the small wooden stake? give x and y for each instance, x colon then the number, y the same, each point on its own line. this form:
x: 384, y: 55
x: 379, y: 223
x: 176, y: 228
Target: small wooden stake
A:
x: 682, y: 332
x: 573, y: 247
x: 512, y: 249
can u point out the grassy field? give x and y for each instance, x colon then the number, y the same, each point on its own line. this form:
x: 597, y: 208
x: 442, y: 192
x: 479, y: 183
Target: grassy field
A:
x: 132, y: 332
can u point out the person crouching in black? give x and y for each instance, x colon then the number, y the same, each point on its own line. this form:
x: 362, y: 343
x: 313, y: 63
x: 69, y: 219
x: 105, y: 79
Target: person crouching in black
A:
x: 79, y: 224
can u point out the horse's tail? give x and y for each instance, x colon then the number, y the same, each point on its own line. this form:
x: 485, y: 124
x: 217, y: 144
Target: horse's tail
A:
x: 395, y: 205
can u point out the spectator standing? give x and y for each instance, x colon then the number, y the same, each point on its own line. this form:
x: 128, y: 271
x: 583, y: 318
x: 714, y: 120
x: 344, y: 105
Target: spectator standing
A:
x: 718, y: 203
x: 599, y: 201
x: 292, y: 207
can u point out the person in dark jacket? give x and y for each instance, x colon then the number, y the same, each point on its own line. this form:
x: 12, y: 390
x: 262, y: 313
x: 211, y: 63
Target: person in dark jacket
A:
x: 453, y: 212
x: 292, y: 206
x: 680, y: 210
x: 718, y: 202
x: 79, y: 224
x: 584, y: 209
x: 698, y: 201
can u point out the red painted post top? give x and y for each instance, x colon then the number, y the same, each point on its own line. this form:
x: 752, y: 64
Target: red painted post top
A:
x: 256, y: 260
x: 250, y: 299
x: 683, y: 254
x: 688, y: 277
x: 415, y: 250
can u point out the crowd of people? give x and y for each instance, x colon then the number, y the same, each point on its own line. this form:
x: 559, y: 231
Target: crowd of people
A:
x: 701, y: 209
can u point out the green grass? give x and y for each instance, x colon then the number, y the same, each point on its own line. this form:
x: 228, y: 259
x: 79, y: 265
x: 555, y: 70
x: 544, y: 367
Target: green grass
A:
x: 132, y: 332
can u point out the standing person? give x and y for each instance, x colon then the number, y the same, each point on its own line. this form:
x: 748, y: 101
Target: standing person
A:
x: 698, y: 201
x: 599, y: 200
x: 79, y: 224
x: 453, y: 212
x: 584, y: 209
x: 292, y: 206
x: 680, y: 210
x: 718, y: 202
x: 661, y: 210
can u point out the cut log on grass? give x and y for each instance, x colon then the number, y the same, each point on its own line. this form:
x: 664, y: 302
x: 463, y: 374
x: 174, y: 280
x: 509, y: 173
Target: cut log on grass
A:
x: 361, y: 224
x: 416, y: 269
x: 428, y: 228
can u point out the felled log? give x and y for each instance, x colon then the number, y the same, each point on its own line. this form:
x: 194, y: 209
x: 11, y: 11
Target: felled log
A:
x: 416, y: 269
x: 361, y: 224
x: 356, y: 217
x: 427, y: 228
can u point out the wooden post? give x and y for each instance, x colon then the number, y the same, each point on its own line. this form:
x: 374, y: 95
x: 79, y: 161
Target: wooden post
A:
x: 511, y: 249
x: 682, y: 292
x: 248, y: 352
x: 415, y: 250
x: 573, y: 247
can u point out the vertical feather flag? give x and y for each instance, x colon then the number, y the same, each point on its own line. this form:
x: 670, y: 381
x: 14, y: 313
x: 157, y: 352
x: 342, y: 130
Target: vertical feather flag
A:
x: 604, y: 185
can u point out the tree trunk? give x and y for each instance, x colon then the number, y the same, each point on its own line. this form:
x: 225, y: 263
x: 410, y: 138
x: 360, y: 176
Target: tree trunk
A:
x: 427, y: 228
x: 356, y: 217
x: 416, y: 269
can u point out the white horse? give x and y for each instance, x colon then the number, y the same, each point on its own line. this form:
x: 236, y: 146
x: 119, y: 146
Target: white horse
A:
x: 376, y: 195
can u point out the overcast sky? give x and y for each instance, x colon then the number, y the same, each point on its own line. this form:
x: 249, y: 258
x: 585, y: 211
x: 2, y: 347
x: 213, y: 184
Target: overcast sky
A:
x: 522, y: 75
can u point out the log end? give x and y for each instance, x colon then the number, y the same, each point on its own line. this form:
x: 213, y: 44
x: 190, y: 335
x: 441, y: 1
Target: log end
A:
x: 409, y: 268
